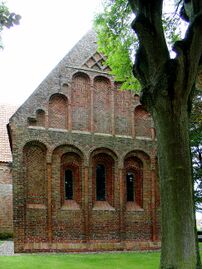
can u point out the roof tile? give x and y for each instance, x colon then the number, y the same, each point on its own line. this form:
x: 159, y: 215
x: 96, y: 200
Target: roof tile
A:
x: 6, y: 111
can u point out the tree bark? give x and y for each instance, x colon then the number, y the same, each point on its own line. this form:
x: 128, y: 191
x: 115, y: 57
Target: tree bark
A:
x: 176, y: 187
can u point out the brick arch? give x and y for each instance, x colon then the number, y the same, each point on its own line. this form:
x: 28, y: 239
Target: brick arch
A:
x: 105, y: 150
x: 61, y: 149
x: 58, y: 111
x: 102, y: 101
x: 81, y: 76
x: 80, y: 101
x: 106, y: 158
x: 142, y: 122
x: 141, y: 155
x: 103, y: 79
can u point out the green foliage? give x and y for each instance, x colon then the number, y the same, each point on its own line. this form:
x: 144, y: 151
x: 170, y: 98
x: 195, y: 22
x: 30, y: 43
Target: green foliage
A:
x: 7, y: 19
x: 4, y: 236
x: 196, y: 146
x: 116, y: 41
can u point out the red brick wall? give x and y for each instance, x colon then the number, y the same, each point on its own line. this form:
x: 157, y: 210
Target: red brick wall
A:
x: 6, y: 199
x: 88, y: 123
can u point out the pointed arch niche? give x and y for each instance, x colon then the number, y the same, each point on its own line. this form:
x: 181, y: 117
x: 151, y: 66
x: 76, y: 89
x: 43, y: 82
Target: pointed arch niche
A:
x: 58, y: 111
x: 122, y: 107
x: 81, y: 102
x: 102, y: 105
x: 34, y: 159
x: 35, y: 185
x: 142, y: 122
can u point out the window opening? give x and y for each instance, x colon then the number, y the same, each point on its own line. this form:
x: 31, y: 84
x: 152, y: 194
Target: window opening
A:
x: 100, y: 182
x: 68, y: 185
x: 130, y: 182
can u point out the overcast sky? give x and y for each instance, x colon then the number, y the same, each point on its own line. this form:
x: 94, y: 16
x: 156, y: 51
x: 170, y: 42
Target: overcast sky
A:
x: 47, y: 31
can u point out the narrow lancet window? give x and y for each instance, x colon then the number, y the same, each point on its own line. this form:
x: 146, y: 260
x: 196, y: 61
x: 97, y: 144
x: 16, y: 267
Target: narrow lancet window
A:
x: 68, y: 185
x: 100, y: 183
x: 130, y: 188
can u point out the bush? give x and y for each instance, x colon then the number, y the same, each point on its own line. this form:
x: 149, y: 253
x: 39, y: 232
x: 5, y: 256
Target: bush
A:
x: 6, y: 236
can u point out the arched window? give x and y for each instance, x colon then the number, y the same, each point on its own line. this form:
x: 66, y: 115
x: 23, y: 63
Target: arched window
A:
x: 130, y: 186
x: 134, y: 180
x: 103, y: 178
x: 68, y: 184
x: 70, y: 177
x: 100, y: 182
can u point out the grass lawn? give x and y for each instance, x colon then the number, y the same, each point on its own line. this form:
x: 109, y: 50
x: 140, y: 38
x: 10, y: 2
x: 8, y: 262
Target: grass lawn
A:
x: 82, y: 261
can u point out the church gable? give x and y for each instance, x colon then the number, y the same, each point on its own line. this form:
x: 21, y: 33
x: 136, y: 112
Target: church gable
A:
x: 82, y: 162
x: 80, y: 95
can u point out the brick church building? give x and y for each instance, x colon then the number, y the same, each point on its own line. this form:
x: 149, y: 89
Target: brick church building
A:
x: 84, y: 162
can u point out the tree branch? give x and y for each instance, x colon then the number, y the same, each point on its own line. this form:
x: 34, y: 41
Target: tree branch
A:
x: 189, y: 51
x: 152, y: 44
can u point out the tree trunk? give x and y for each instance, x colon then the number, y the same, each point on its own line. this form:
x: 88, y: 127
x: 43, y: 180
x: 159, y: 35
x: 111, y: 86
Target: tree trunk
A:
x: 176, y: 185
x: 166, y: 88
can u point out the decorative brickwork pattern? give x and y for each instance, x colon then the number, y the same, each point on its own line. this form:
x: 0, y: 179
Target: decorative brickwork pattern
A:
x: 97, y: 62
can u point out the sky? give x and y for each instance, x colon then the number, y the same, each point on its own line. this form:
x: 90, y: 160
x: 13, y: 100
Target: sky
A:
x: 47, y: 31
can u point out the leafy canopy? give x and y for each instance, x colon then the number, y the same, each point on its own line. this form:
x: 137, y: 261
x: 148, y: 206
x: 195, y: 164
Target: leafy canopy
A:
x: 117, y: 41
x: 7, y: 18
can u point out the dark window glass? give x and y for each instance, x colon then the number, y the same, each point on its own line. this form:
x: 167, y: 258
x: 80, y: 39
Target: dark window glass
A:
x: 68, y: 185
x: 100, y: 182
x: 130, y: 186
